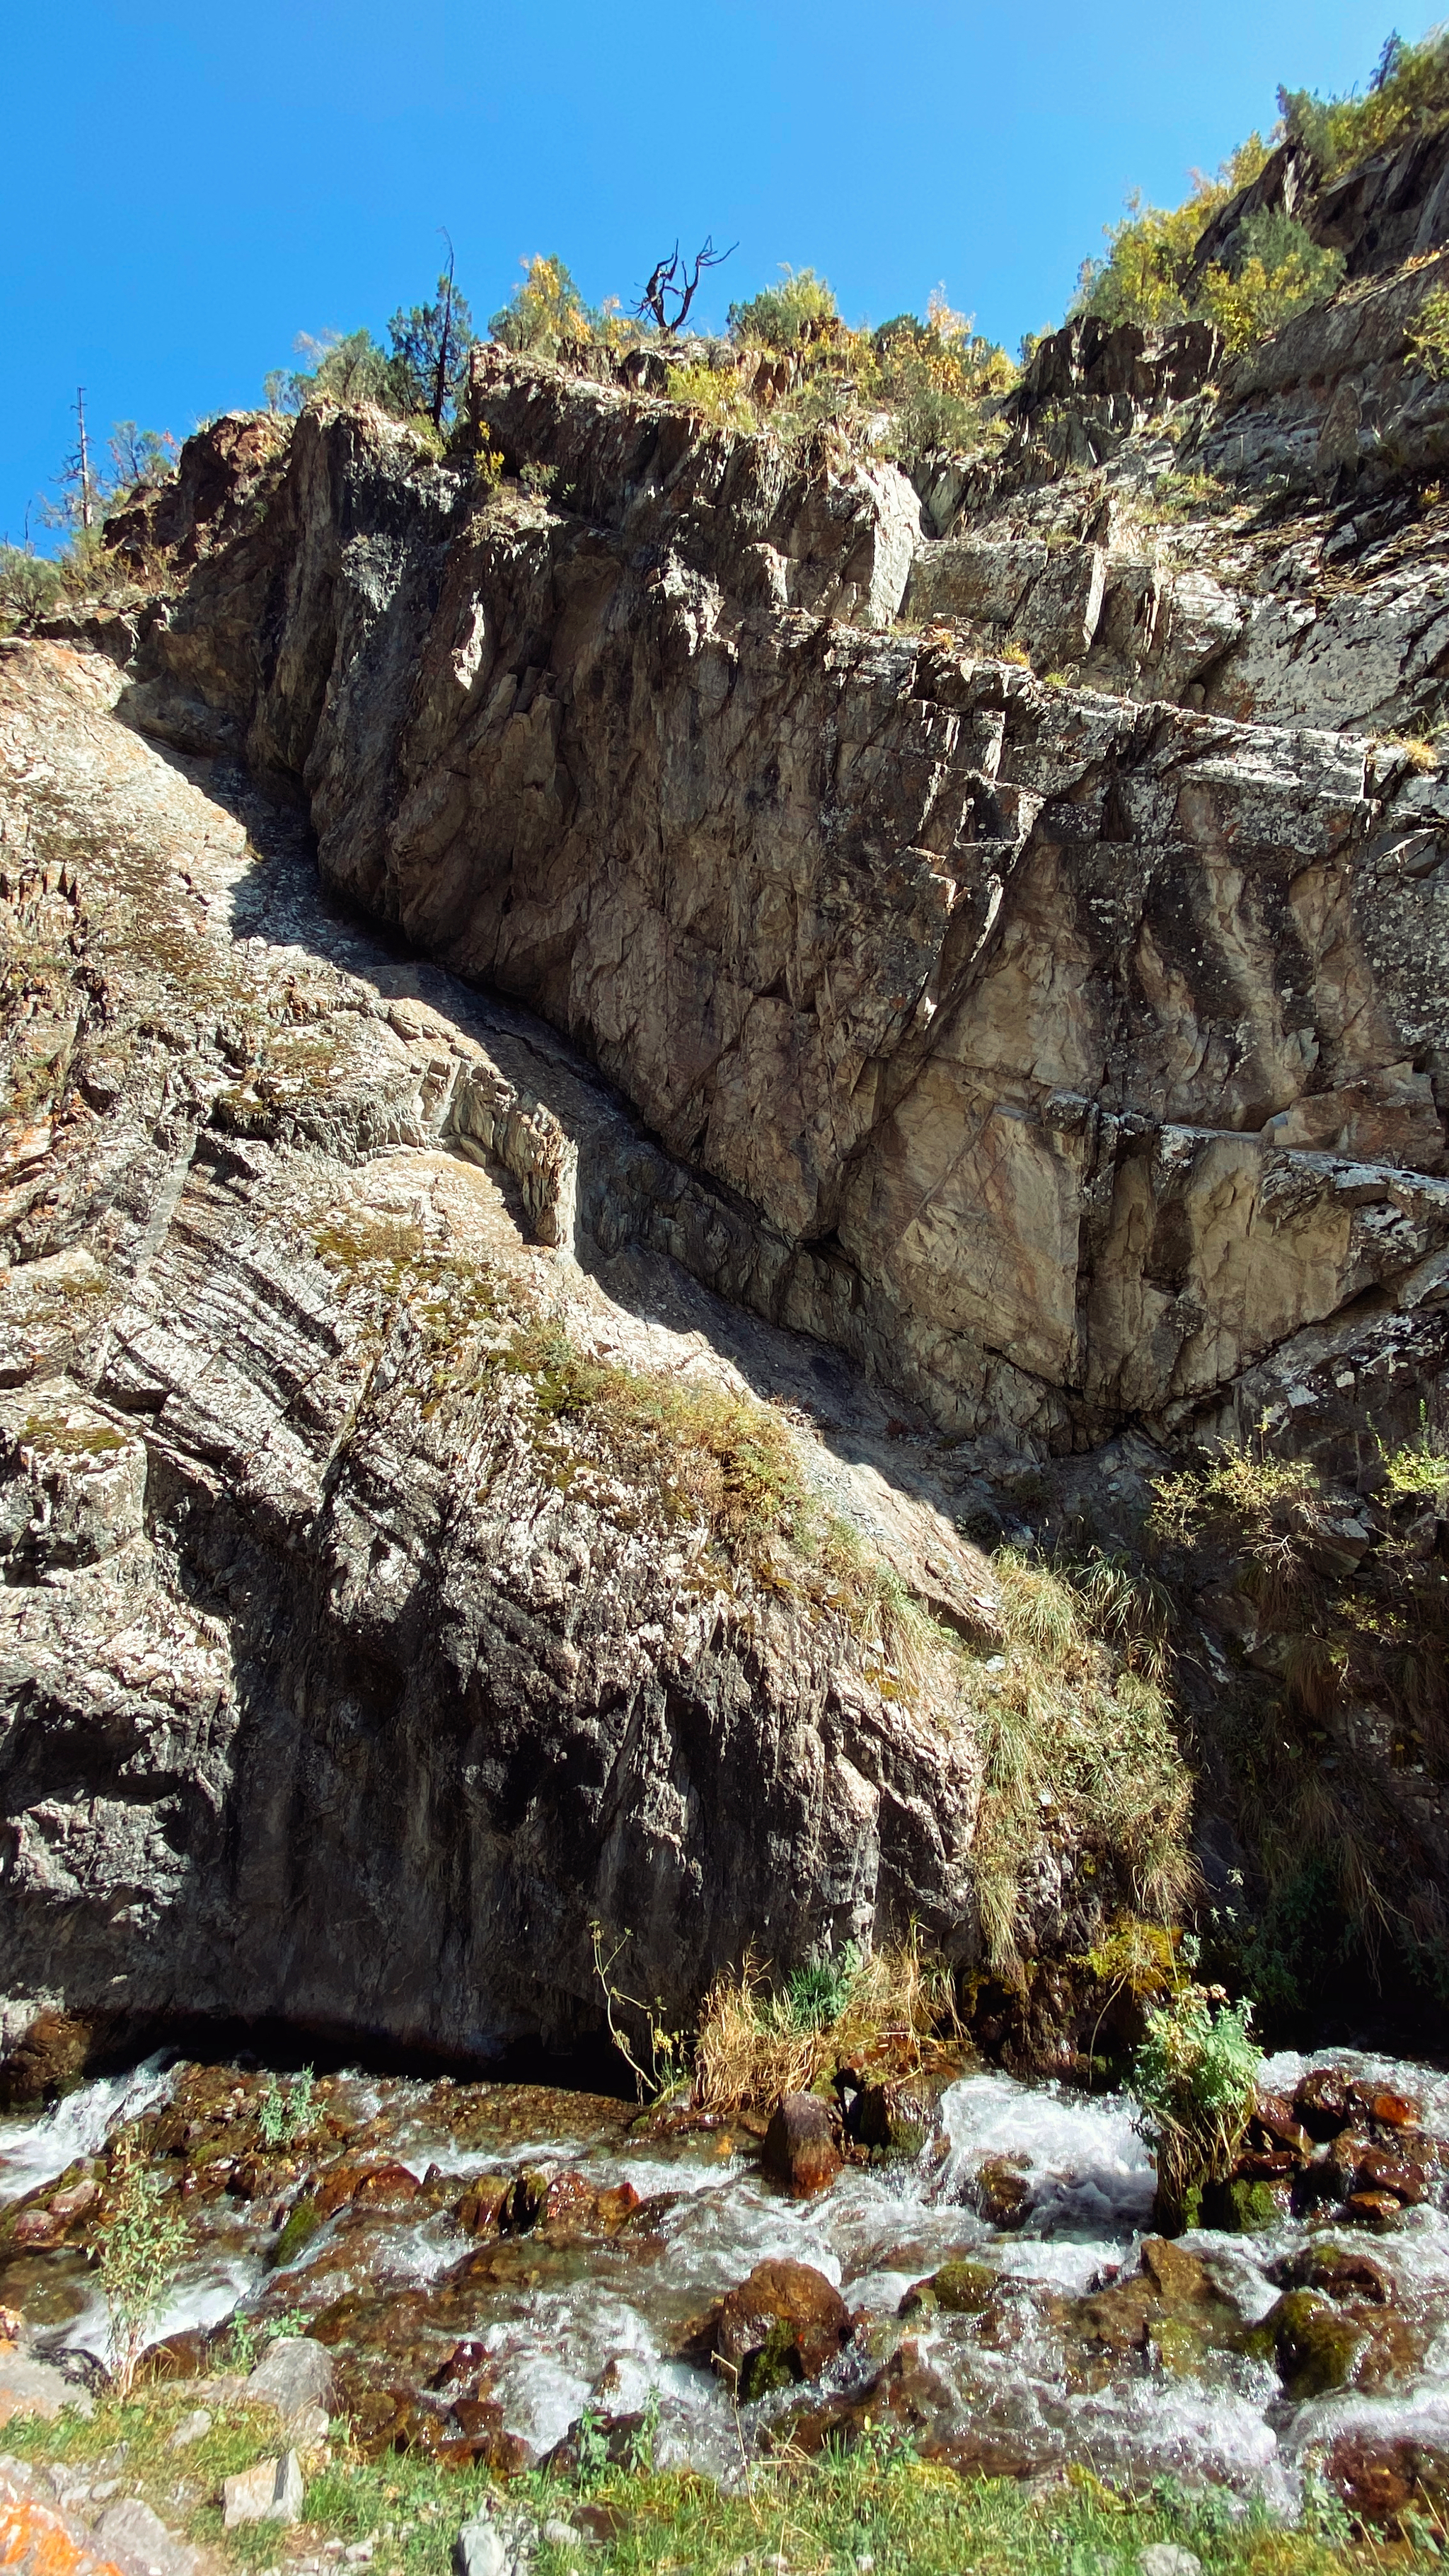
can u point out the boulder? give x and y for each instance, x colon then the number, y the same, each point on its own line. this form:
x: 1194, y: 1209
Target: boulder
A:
x: 959, y: 2289
x: 295, y: 2377
x: 270, y: 2492
x: 800, y: 2149
x: 783, y: 2323
x: 137, y: 2541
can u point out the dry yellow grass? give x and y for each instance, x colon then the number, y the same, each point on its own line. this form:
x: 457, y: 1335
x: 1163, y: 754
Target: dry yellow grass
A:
x: 897, y: 2008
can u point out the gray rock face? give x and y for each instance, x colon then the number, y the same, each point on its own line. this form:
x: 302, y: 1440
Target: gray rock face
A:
x: 1045, y: 1033
x: 341, y: 1678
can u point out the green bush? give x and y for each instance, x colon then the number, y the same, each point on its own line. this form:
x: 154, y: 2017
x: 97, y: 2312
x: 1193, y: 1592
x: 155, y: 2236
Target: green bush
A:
x: 1195, y: 2080
x: 782, y: 317
x: 545, y: 312
x: 1409, y: 92
x: 1275, y: 268
x: 29, y: 584
x: 1427, y: 338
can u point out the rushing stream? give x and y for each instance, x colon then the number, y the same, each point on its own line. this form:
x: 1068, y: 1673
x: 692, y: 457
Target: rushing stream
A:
x: 544, y: 2324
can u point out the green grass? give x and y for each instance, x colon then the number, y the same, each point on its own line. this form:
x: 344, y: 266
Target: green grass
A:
x: 823, y: 2518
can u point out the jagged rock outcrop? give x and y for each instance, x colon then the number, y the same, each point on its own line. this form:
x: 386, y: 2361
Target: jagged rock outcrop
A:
x: 1073, y: 1054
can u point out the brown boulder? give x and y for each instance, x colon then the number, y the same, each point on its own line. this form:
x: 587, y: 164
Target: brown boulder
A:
x: 784, y: 2323
x: 1323, y: 2103
x: 800, y: 2149
x: 1000, y: 2190
x: 48, y: 2061
x: 1340, y: 2270
x: 1379, y: 2480
x: 1173, y: 2273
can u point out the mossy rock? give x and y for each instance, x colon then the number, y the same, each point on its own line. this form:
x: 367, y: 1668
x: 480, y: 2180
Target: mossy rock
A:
x: 776, y: 2364
x: 961, y: 2289
x: 301, y: 2224
x: 1313, y: 2348
x: 1240, y: 2208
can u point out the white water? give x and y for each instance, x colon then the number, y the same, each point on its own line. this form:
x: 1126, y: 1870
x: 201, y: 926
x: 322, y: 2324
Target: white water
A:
x: 600, y: 2328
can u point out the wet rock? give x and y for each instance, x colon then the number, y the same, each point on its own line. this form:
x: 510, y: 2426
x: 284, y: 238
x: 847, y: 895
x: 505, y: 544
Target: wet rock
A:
x: 1173, y: 2273
x: 1275, y: 2124
x: 49, y: 2061
x: 886, y: 2120
x: 800, y: 2149
x: 1000, y: 2190
x: 906, y: 2397
x: 1244, y: 2207
x: 1380, y: 2210
x: 958, y: 2289
x: 1381, y: 2478
x: 271, y: 2492
x: 1313, y: 2345
x: 300, y: 2225
x: 1340, y: 2271
x: 784, y: 2323
x: 1387, y: 2109
x: 1323, y: 2102
x: 480, y: 2210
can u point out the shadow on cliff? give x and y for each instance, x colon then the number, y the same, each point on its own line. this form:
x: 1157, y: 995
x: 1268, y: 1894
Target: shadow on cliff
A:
x: 282, y: 899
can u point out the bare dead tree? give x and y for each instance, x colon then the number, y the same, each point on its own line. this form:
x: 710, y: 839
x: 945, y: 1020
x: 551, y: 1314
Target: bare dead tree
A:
x: 83, y: 463
x: 676, y: 280
x: 440, y: 378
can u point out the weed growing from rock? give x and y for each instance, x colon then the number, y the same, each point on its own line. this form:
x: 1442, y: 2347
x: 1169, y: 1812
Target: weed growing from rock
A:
x: 141, y: 2252
x: 1195, y: 2077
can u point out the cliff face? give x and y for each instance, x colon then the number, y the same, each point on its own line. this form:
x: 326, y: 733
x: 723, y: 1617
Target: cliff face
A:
x: 478, y: 1467
x: 1064, y: 1057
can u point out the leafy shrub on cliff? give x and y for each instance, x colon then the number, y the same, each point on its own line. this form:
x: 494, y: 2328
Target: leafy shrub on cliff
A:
x: 1143, y: 279
x: 545, y: 311
x: 29, y: 584
x: 800, y: 309
x: 1426, y: 342
x: 1408, y: 93
x: 1277, y: 270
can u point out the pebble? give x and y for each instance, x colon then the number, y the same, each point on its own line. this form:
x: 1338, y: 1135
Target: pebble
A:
x: 1168, y: 2558
x: 190, y: 2429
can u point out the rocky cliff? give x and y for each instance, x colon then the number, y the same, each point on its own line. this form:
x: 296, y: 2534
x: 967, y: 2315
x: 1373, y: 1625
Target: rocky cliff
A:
x: 939, y: 983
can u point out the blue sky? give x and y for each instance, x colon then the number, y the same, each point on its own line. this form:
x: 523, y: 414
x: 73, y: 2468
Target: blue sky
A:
x: 201, y: 184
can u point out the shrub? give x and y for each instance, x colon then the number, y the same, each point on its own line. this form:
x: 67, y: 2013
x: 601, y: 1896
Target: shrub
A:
x: 1143, y: 279
x: 756, y: 2040
x: 1195, y: 2079
x: 782, y: 317
x: 1277, y: 270
x: 545, y: 312
x: 141, y: 2252
x: 1073, y: 1743
x: 1419, y: 1468
x: 1426, y: 342
x: 29, y: 584
x: 1409, y: 92
x: 715, y: 394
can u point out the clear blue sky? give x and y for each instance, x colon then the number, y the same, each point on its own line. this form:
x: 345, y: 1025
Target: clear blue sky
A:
x: 184, y: 188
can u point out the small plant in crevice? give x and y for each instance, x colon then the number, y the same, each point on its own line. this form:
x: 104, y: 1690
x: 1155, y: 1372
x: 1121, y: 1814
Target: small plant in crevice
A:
x: 287, y: 2113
